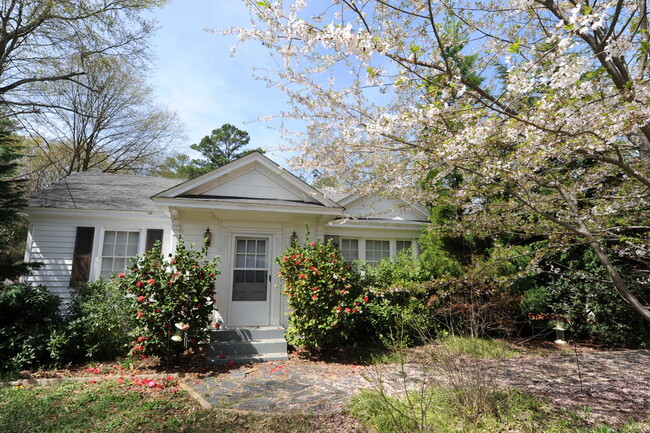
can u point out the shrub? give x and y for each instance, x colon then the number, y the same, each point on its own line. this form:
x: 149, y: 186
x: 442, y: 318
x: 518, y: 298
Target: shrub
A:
x: 576, y: 291
x: 324, y: 293
x: 29, y: 318
x: 99, y: 321
x: 170, y: 301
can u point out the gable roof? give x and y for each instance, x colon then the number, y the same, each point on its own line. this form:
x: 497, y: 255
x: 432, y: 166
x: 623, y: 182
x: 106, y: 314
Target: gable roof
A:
x: 102, y: 191
x: 252, y: 179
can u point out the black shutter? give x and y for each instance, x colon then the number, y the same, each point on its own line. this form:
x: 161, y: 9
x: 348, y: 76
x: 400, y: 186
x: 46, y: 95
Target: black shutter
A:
x: 153, y: 235
x: 83, y: 253
x: 336, y: 240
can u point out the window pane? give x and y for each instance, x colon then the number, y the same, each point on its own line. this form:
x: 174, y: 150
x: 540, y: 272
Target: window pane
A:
x: 350, y: 248
x: 241, y: 261
x: 261, y: 247
x: 241, y: 246
x: 132, y: 250
x: 403, y: 245
x: 120, y: 237
x: 250, y: 261
x: 250, y: 246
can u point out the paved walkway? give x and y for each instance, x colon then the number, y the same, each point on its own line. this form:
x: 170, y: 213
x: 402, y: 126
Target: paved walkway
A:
x: 283, y: 387
x: 609, y: 384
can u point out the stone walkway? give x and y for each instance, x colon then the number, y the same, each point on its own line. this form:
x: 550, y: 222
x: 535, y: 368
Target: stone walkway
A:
x: 282, y: 387
x: 609, y: 385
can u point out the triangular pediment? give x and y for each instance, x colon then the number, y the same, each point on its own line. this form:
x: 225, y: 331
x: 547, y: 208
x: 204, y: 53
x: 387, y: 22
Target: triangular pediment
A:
x: 253, y: 177
x: 381, y: 208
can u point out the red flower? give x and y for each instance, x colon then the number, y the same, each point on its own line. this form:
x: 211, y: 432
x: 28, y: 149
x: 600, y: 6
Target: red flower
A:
x: 140, y: 339
x: 231, y: 364
x: 314, y: 296
x: 302, y: 276
x: 347, y: 310
x: 365, y: 299
x: 314, y: 288
x: 92, y: 381
x: 151, y: 281
x: 141, y: 298
x: 338, y: 308
x: 138, y: 284
x: 120, y: 275
x: 140, y: 314
x: 151, y: 384
x: 342, y: 292
x: 312, y: 244
x: 355, y: 310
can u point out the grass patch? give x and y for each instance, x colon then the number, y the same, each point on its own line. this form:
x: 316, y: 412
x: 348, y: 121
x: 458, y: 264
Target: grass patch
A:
x: 436, y: 411
x: 109, y: 407
x: 478, y: 347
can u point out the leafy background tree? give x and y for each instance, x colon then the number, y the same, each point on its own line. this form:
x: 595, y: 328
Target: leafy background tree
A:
x: 222, y: 146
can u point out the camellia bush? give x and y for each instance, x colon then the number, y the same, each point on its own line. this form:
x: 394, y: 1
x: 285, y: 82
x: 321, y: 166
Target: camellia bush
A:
x: 324, y: 293
x: 171, y: 300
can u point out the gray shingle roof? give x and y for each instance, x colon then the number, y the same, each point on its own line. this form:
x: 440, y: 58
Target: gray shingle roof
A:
x: 102, y: 191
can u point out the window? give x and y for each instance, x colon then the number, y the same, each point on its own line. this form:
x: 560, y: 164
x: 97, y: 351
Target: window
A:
x: 117, y: 250
x: 403, y: 245
x: 377, y: 250
x: 251, y: 270
x: 350, y: 248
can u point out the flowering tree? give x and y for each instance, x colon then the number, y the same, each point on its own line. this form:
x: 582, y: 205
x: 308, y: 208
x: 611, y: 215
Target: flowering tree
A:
x: 531, y: 116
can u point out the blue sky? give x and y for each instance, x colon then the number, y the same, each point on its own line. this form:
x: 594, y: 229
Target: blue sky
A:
x: 195, y: 75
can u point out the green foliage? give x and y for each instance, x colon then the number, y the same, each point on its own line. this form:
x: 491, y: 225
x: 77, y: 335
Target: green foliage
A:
x: 478, y: 347
x: 324, y: 294
x: 170, y: 301
x: 99, y: 321
x: 29, y: 320
x: 437, y: 410
x: 400, y: 315
x: 574, y: 290
x: 12, y: 190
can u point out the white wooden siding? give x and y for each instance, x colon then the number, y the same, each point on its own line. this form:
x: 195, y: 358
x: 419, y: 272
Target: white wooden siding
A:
x: 51, y: 241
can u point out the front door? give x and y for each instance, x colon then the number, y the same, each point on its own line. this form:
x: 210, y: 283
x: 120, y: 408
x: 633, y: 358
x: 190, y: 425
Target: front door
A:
x: 250, y: 303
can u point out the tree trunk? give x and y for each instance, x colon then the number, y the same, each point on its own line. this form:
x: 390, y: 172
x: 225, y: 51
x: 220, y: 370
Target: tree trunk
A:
x: 618, y: 282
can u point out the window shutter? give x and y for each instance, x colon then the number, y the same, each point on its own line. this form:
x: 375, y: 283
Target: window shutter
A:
x: 83, y: 252
x: 336, y: 240
x: 153, y: 235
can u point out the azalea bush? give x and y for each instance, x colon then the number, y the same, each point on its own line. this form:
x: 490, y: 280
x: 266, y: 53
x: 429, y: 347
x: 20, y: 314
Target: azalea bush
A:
x: 324, y: 293
x: 170, y: 300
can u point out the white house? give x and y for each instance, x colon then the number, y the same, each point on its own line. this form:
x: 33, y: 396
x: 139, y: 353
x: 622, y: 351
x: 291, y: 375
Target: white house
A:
x: 89, y: 225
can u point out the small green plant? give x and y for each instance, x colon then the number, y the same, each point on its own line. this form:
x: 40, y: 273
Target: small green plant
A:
x: 170, y: 300
x: 324, y: 293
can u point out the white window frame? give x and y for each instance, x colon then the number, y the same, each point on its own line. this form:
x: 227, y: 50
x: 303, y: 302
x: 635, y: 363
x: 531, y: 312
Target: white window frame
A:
x: 101, y: 256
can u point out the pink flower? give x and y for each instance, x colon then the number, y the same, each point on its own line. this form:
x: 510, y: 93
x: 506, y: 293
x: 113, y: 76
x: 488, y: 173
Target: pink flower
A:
x: 140, y: 314
x: 151, y: 281
x: 273, y: 370
x: 92, y: 381
x: 302, y: 276
x: 312, y: 244
x: 138, y: 284
x: 314, y: 296
x: 120, y: 275
x: 141, y: 298
x: 151, y: 384
x: 140, y: 339
x: 347, y: 310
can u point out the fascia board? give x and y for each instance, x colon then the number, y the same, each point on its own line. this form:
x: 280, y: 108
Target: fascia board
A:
x: 92, y: 213
x: 234, y: 205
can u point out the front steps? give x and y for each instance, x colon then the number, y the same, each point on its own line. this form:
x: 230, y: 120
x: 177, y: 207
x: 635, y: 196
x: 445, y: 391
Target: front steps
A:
x: 244, y: 345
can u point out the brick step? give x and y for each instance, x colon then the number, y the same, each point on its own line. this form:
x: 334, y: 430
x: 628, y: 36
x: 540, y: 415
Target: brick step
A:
x: 244, y: 345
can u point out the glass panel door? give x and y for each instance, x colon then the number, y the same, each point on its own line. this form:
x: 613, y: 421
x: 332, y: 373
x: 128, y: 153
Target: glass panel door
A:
x: 250, y: 273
